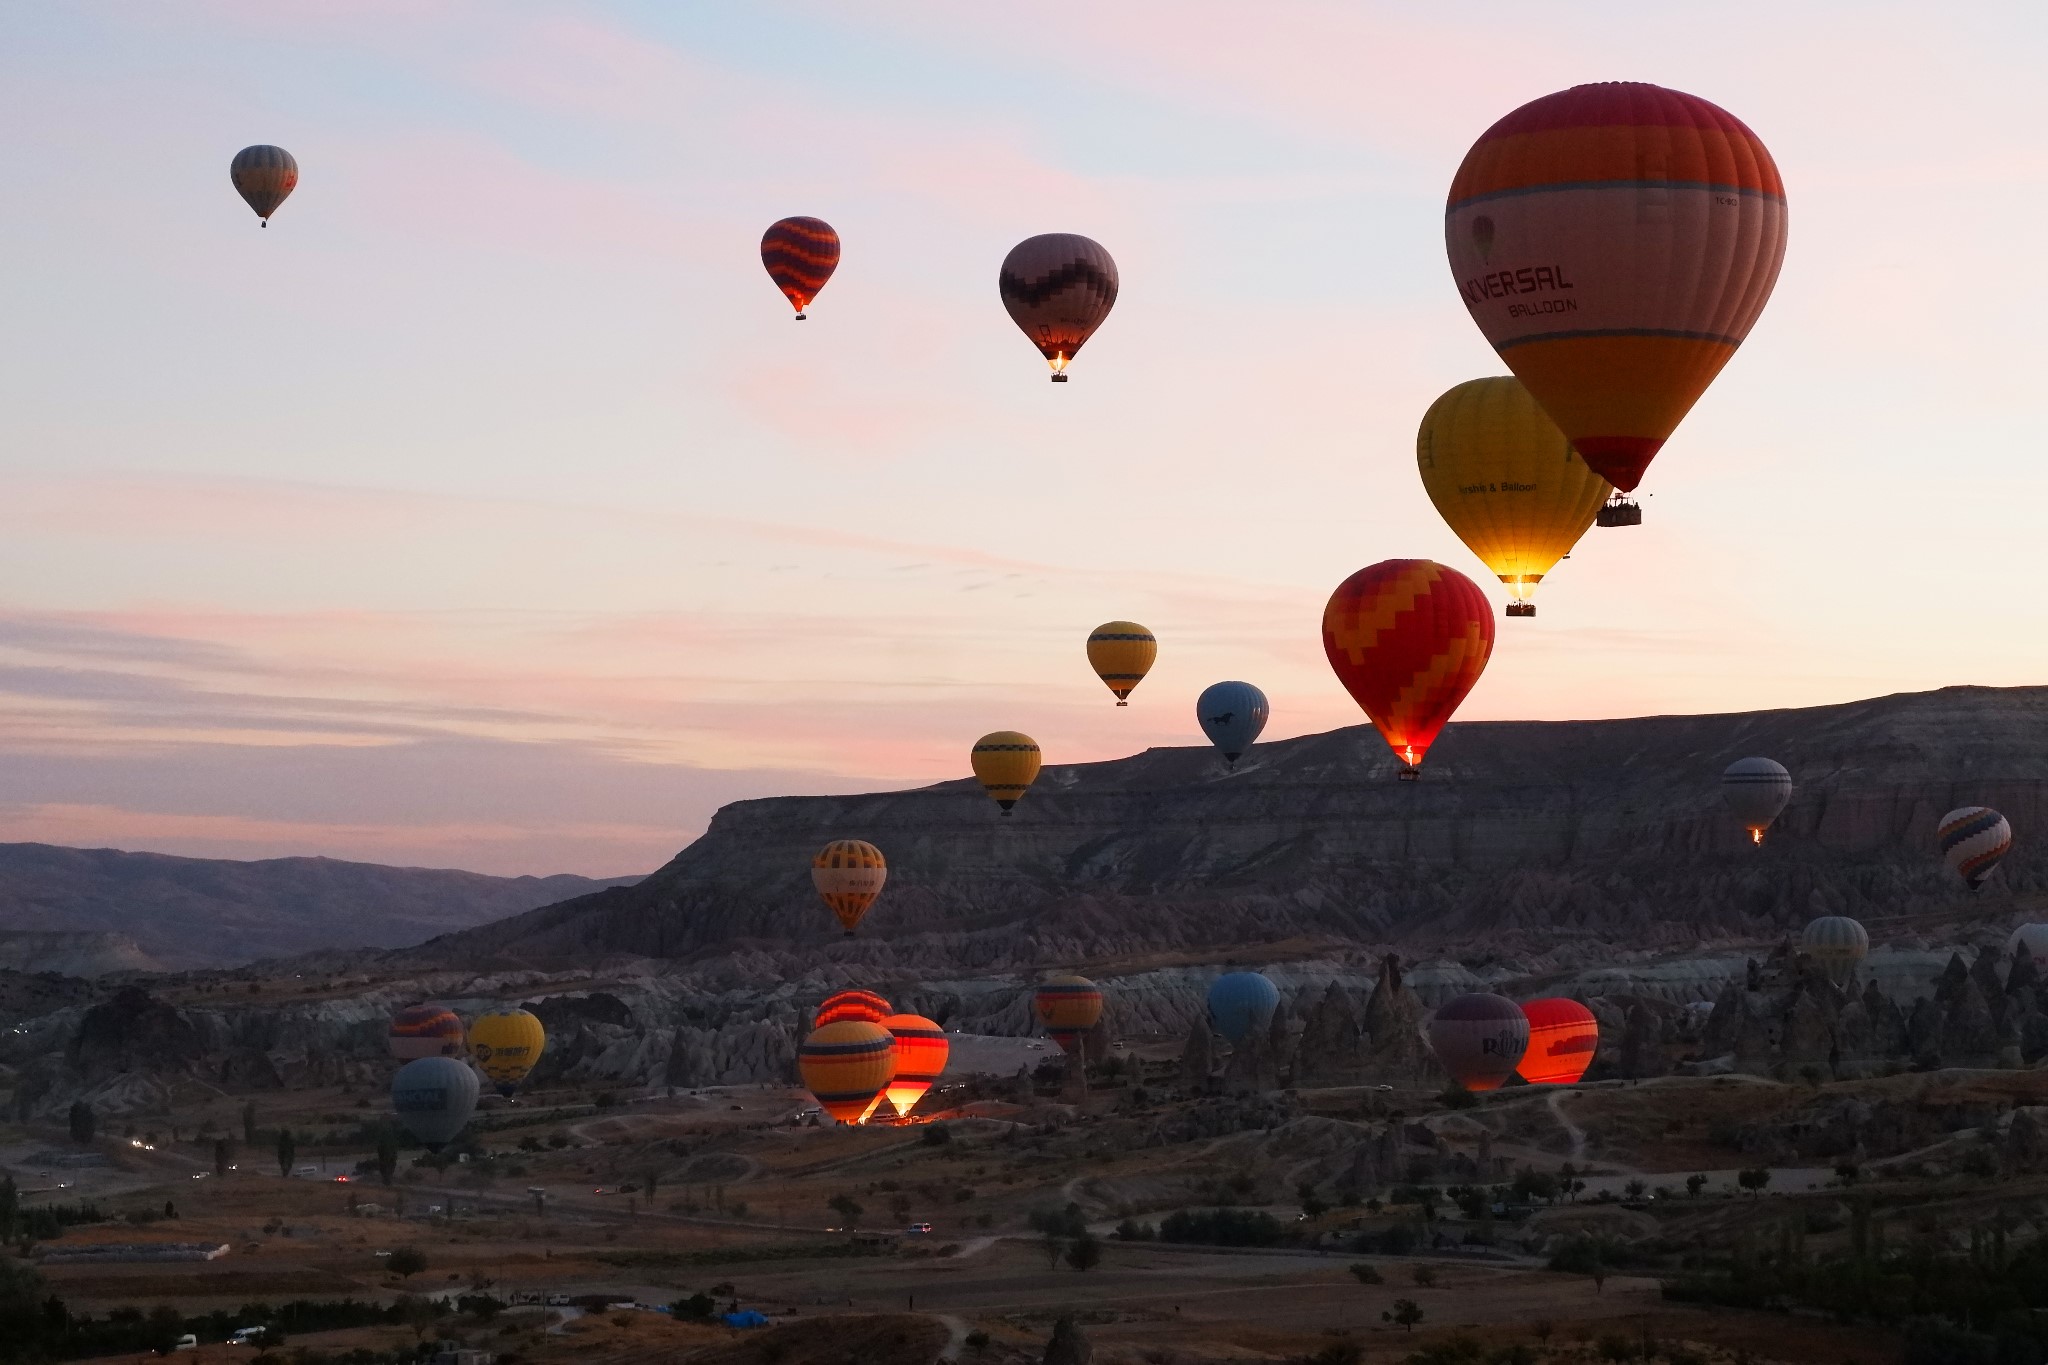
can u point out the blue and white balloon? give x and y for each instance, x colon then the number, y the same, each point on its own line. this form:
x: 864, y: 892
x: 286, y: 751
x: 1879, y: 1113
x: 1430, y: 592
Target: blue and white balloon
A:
x: 1242, y: 1004
x: 1231, y: 715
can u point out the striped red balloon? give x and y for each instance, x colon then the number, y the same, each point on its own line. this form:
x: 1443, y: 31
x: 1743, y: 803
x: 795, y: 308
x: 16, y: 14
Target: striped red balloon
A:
x: 801, y: 254
x: 1408, y: 638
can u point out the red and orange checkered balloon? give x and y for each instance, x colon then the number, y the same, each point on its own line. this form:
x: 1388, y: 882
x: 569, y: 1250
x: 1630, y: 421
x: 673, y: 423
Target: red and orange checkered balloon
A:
x: 1408, y: 638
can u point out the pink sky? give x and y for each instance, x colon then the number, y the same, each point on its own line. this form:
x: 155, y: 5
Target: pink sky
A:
x: 488, y: 511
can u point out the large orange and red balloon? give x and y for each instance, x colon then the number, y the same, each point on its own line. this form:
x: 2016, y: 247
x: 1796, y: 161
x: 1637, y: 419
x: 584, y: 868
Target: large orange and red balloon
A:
x: 1563, y: 1036
x: 921, y: 1052
x: 1615, y: 243
x: 800, y: 254
x: 846, y: 1066
x: 1408, y: 638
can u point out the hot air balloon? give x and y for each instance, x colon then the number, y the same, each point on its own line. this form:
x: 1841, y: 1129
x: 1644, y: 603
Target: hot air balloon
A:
x: 1067, y: 1007
x: 1408, y: 638
x: 1058, y: 288
x: 1006, y: 762
x: 1563, y: 1036
x: 801, y: 254
x: 1480, y: 1039
x: 505, y: 1044
x: 1231, y: 714
x: 846, y: 1066
x: 2031, y: 939
x: 1756, y: 789
x: 849, y: 874
x: 865, y: 1006
x: 1504, y: 478
x: 1972, y: 840
x: 1616, y: 243
x: 425, y: 1031
x: 1837, y: 943
x: 921, y: 1052
x: 434, y: 1097
x: 263, y: 176
x: 1121, y: 653
x: 1241, y: 1004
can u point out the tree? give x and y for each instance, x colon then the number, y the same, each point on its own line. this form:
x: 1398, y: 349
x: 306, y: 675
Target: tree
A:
x: 83, y: 1121
x: 387, y: 1155
x: 1542, y: 1328
x: 406, y: 1262
x: 1847, y: 1172
x: 651, y: 1182
x: 1754, y: 1180
x: 847, y: 1207
x: 1694, y: 1184
x: 1406, y: 1312
x: 1635, y: 1190
x: 10, y: 1208
x: 287, y: 1151
x: 220, y: 1157
x: 1084, y: 1252
x: 1312, y: 1204
x: 1366, y: 1273
x: 1425, y: 1276
x: 1054, y: 1246
x: 249, y: 1123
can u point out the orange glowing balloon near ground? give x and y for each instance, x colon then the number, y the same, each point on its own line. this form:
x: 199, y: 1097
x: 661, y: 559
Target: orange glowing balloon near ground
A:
x: 865, y: 1006
x: 1408, y: 638
x: 1067, y: 1007
x: 921, y: 1052
x: 1615, y: 243
x: 1563, y: 1036
x: 846, y: 1066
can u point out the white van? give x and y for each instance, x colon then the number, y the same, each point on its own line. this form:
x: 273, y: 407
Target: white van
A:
x: 188, y: 1342
x: 245, y: 1336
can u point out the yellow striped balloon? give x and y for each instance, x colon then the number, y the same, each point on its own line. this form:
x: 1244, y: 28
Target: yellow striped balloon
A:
x: 921, y: 1052
x: 1006, y: 762
x: 1505, y: 479
x: 505, y: 1044
x: 846, y: 1066
x: 1067, y: 1007
x: 849, y: 874
x: 1121, y: 653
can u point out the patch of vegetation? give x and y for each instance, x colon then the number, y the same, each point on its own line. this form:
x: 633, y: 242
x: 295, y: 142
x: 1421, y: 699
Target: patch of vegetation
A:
x: 798, y: 1251
x: 1224, y: 1227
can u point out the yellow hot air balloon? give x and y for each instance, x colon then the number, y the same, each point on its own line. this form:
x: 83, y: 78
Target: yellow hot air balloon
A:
x: 1505, y: 479
x: 1121, y: 653
x: 1007, y: 764
x: 505, y: 1044
x: 849, y: 874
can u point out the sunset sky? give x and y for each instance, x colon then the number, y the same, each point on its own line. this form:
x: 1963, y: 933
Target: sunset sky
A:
x: 489, y: 511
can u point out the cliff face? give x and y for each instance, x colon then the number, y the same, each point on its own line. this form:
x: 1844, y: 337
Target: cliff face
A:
x: 1520, y: 836
x: 86, y: 911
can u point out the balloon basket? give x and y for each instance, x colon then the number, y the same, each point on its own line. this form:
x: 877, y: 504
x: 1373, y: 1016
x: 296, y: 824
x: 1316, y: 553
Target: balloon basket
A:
x: 1620, y: 512
x: 1059, y: 379
x: 1521, y: 609
x: 1408, y: 774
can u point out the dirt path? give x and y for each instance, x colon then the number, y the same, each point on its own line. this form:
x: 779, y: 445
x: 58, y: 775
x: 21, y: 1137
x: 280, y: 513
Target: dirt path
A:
x: 1555, y: 1104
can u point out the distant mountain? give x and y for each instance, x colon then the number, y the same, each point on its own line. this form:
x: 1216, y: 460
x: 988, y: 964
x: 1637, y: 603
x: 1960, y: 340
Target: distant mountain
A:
x: 120, y: 911
x: 1519, y: 837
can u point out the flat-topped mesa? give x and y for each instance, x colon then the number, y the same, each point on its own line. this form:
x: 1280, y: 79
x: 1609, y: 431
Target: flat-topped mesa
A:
x: 1520, y: 831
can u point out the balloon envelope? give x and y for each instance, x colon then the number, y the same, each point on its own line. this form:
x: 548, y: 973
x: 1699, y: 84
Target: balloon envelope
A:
x: 1241, y: 1004
x: 1756, y: 789
x: 1615, y: 243
x: 1408, y: 638
x: 1563, y: 1038
x: 1058, y: 287
x: 1121, y: 653
x: 1479, y: 1038
x: 505, y: 1044
x: 846, y: 1066
x: 425, y: 1031
x: 1972, y: 839
x: 800, y: 255
x: 1232, y: 714
x: 1837, y: 943
x: 263, y: 176
x: 849, y: 874
x: 1505, y: 480
x: 1067, y: 1007
x: 434, y: 1097
x: 864, y: 1006
x: 921, y: 1052
x: 2031, y: 939
x: 1006, y: 763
